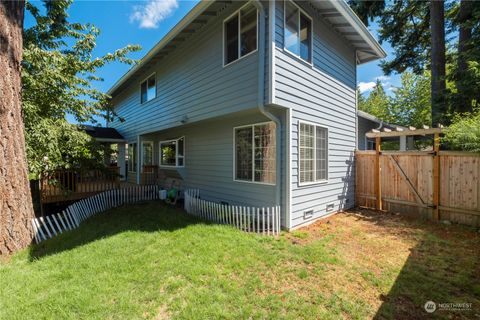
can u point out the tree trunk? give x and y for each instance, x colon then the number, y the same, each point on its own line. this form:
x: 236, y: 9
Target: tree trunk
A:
x: 16, y: 210
x: 437, y: 27
x: 463, y: 103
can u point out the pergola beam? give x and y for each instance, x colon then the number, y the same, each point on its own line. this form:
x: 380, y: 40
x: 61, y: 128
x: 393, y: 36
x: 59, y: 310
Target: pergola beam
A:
x: 417, y: 132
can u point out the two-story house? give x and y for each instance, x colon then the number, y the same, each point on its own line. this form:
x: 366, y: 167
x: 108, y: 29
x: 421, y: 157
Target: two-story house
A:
x: 253, y: 103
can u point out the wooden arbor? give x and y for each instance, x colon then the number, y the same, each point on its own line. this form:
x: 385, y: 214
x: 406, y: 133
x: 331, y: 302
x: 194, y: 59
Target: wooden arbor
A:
x: 411, y: 131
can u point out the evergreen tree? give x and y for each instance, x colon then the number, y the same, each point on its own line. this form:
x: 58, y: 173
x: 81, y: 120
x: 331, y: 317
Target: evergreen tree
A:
x: 377, y: 103
x: 16, y: 210
x: 419, y: 32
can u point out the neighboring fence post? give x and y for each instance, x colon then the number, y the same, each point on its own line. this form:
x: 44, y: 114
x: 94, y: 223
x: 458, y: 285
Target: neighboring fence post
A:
x: 436, y: 176
x: 378, y: 176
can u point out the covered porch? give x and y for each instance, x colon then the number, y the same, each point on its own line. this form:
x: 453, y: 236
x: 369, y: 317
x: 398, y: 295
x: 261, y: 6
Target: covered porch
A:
x: 73, y: 184
x: 211, y: 156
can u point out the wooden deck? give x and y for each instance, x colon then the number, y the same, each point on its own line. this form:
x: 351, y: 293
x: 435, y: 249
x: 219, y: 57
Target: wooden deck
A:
x: 70, y: 185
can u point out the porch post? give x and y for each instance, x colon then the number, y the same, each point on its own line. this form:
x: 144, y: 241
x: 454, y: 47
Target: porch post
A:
x: 121, y: 160
x: 403, y: 143
x: 139, y: 153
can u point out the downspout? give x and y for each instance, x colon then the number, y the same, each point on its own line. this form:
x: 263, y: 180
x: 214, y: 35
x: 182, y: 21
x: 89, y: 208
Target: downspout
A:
x: 261, y: 99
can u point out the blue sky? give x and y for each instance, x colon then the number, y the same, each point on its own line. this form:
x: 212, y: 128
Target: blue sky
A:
x: 146, y: 22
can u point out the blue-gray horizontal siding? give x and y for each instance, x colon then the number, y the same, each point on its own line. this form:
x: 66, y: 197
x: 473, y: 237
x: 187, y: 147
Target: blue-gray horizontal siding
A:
x: 331, y: 53
x: 364, y: 126
x: 192, y: 82
x: 322, y: 93
x: 209, y: 160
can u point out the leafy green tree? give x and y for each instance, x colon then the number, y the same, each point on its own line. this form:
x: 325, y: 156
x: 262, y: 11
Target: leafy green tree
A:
x: 464, y: 132
x: 58, y: 72
x: 410, y: 103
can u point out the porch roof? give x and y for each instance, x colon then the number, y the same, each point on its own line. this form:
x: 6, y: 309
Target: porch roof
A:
x: 102, y: 134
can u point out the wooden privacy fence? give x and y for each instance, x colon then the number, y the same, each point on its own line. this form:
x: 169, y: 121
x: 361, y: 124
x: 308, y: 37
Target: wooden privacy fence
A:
x: 439, y: 185
x: 74, y: 214
x: 265, y: 220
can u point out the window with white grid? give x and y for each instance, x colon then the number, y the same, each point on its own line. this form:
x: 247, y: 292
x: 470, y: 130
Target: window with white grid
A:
x: 313, y: 153
x: 255, y: 153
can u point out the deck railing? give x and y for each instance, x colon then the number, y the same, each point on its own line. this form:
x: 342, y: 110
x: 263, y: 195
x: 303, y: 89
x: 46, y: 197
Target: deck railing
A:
x: 67, y: 185
x: 262, y: 220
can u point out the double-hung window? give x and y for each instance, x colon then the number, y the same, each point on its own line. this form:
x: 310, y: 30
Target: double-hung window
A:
x: 255, y: 153
x: 132, y: 157
x: 240, y: 33
x: 148, y: 89
x: 172, y: 153
x: 297, y: 32
x: 147, y: 153
x: 313, y: 153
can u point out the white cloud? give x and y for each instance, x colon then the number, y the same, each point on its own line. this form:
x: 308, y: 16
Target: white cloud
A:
x: 152, y: 13
x: 366, y: 86
x: 369, y: 86
x: 382, y: 78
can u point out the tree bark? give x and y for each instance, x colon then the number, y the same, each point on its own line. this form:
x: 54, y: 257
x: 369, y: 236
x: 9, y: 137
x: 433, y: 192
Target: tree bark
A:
x: 463, y: 103
x: 437, y: 27
x: 16, y: 210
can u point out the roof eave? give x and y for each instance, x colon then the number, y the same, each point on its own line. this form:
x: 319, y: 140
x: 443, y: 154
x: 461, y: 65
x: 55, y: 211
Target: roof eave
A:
x: 362, y: 30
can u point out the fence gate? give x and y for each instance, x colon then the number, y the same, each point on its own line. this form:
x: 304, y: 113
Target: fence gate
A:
x: 442, y: 185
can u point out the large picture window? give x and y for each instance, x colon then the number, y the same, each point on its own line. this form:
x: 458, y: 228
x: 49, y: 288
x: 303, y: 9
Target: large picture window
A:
x: 240, y: 32
x: 297, y: 32
x: 255, y: 153
x: 132, y: 157
x: 172, y: 153
x: 148, y: 89
x: 313, y: 153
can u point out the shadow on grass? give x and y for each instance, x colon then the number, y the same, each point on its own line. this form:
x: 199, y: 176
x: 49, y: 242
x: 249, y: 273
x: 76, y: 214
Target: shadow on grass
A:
x: 443, y: 267
x: 146, y: 217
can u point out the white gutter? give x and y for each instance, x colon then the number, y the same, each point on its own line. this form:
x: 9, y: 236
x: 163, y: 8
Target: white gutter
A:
x: 192, y: 15
x: 261, y: 96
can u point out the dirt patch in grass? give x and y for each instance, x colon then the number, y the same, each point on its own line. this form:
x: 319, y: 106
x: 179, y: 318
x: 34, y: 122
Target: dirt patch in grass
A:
x: 395, y: 264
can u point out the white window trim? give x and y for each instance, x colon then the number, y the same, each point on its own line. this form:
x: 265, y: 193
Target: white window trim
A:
x: 239, y: 38
x: 315, y: 182
x: 253, y: 156
x: 300, y: 10
x: 141, y: 153
x: 176, y: 153
x: 140, y: 87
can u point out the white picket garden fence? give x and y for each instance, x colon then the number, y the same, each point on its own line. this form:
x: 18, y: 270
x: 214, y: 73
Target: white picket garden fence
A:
x: 265, y: 220
x: 74, y: 214
x: 262, y: 220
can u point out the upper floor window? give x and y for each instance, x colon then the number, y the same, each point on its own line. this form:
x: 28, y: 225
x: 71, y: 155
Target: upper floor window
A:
x: 313, y: 153
x: 240, y: 33
x: 255, y: 153
x: 297, y: 32
x: 172, y: 153
x: 148, y: 89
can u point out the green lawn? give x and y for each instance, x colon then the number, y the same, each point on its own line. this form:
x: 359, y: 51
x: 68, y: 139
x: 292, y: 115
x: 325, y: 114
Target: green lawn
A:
x: 155, y: 262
